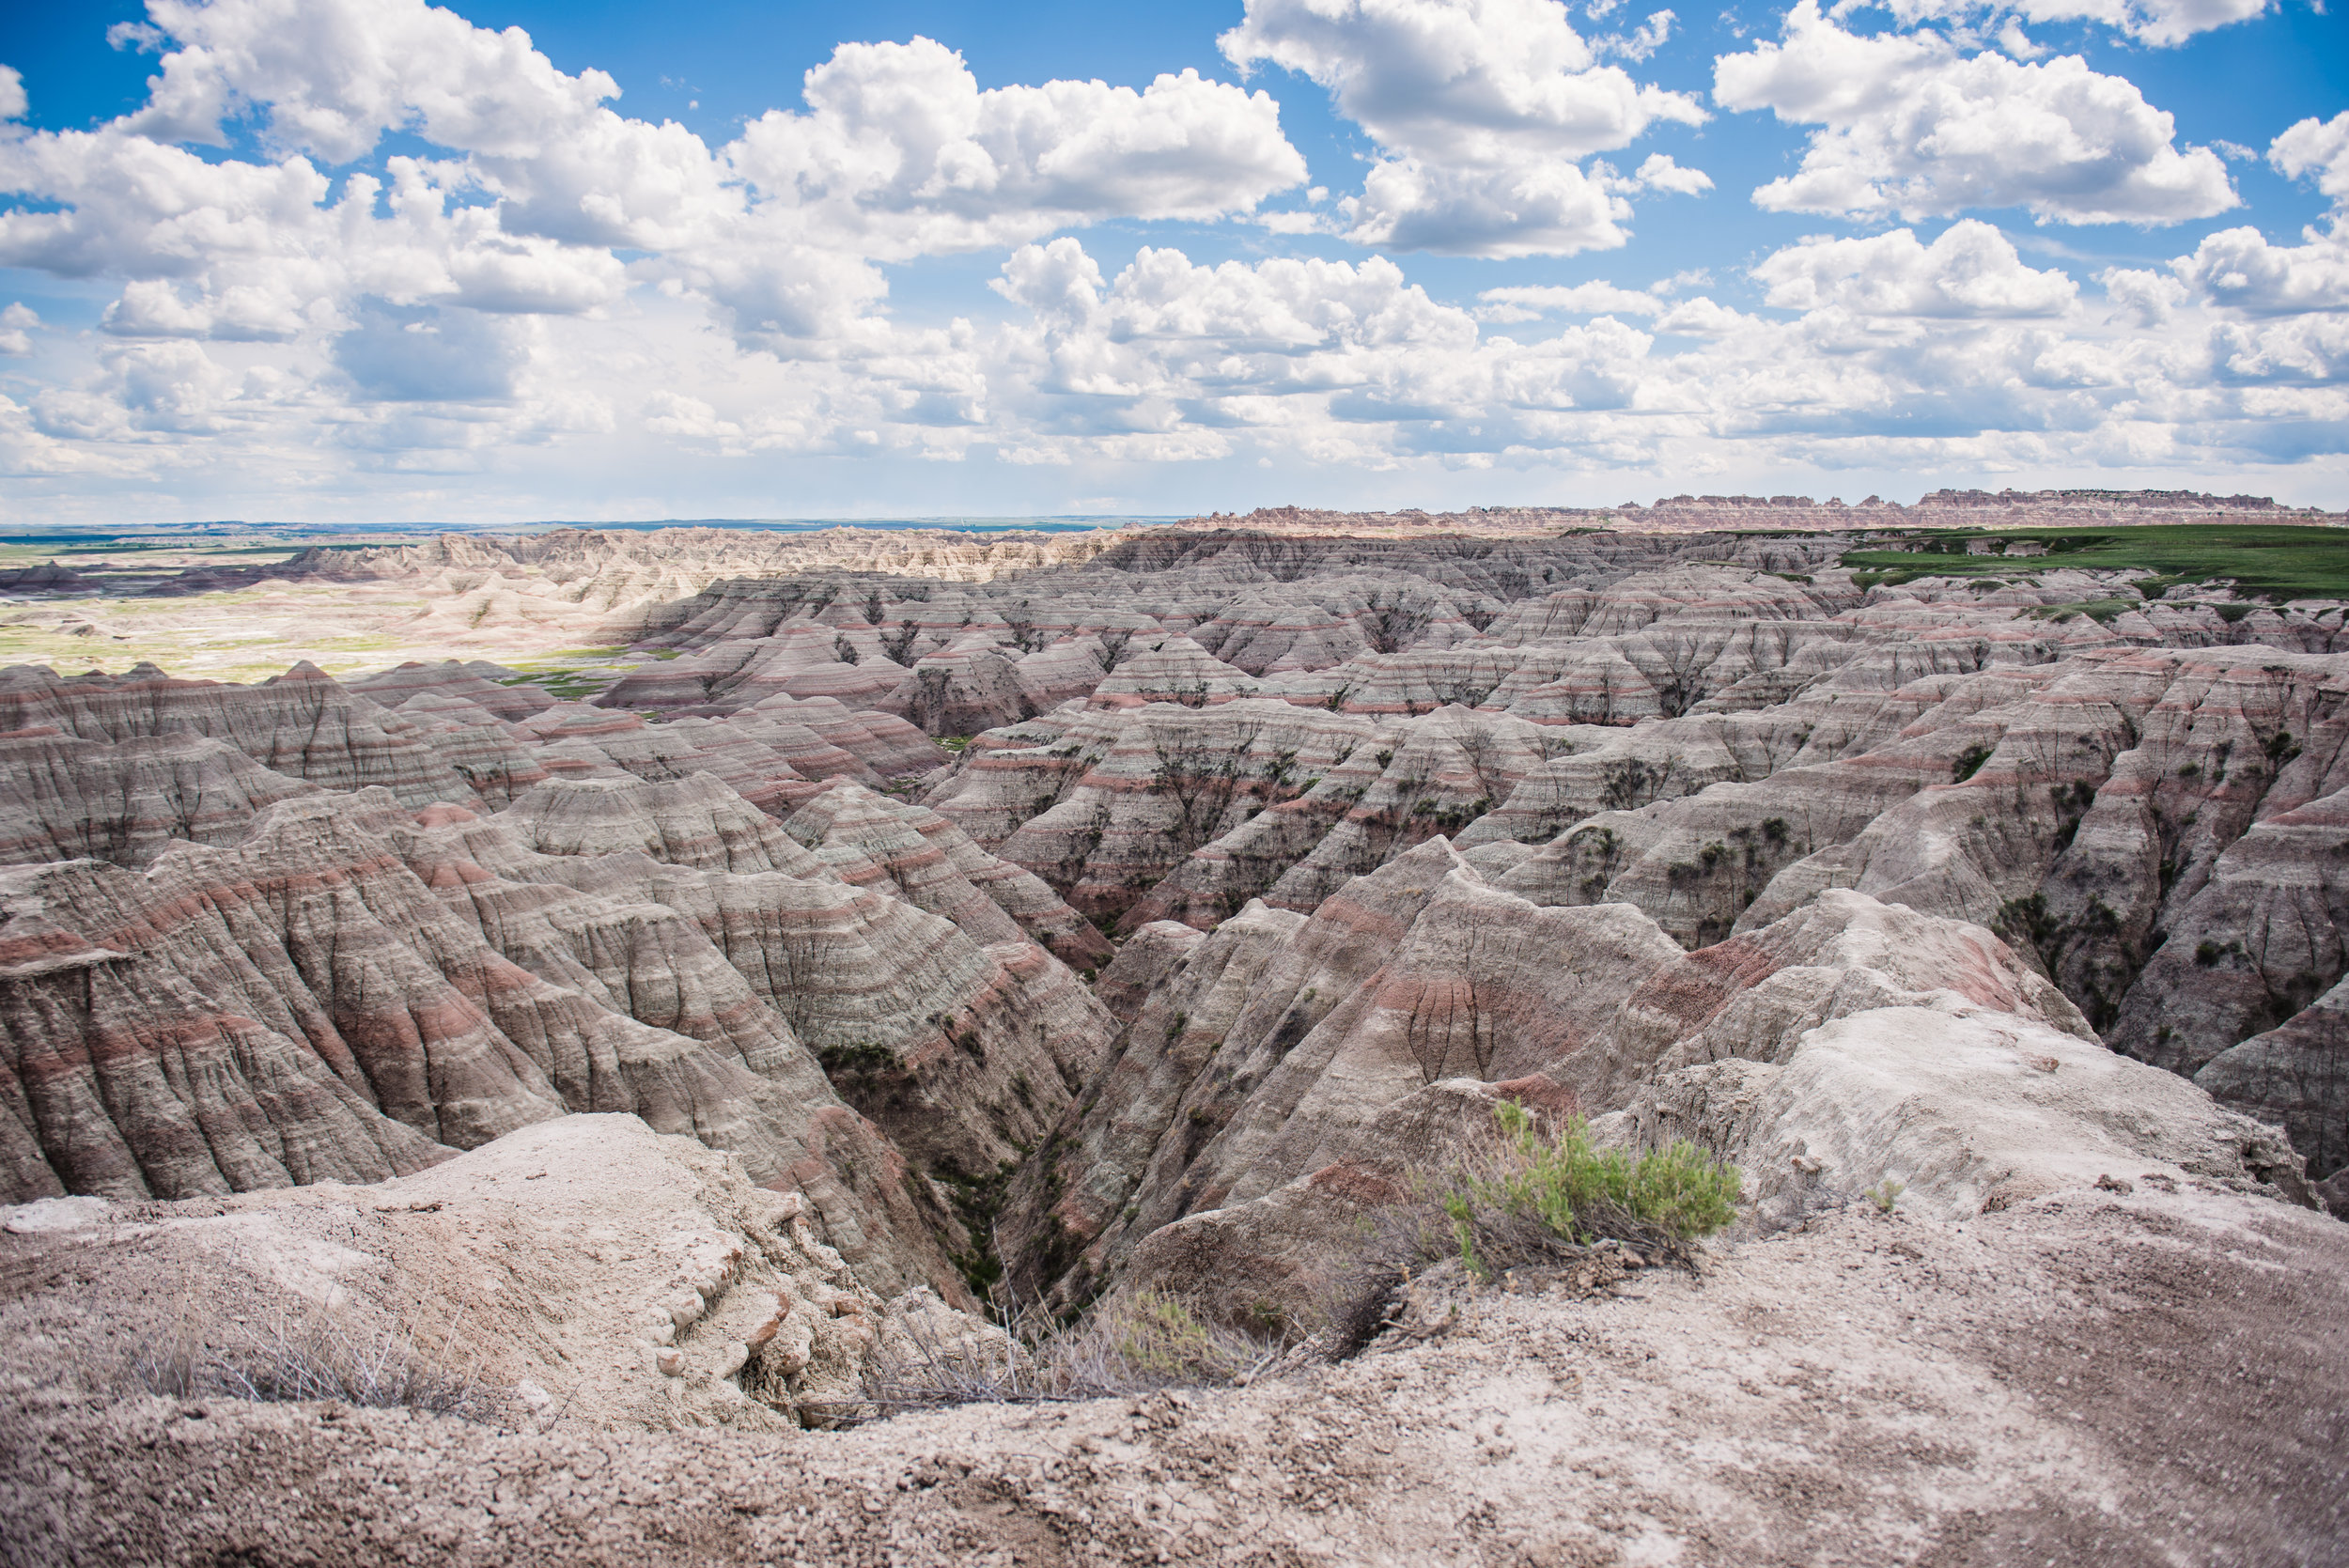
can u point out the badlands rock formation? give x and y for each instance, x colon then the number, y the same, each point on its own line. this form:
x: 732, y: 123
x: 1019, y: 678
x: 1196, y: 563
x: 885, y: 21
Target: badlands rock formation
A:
x: 1710, y: 730
x: 1052, y: 921
x: 1679, y: 514
x: 585, y: 1265
x: 2138, y: 1378
x: 282, y: 934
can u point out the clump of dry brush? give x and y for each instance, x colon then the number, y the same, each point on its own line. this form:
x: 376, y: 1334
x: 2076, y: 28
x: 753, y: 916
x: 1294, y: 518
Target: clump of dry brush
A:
x: 311, y: 1352
x: 1133, y: 1344
x: 1529, y: 1203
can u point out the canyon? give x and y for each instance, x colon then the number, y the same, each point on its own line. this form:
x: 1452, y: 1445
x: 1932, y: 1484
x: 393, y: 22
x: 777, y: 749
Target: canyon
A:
x: 707, y: 977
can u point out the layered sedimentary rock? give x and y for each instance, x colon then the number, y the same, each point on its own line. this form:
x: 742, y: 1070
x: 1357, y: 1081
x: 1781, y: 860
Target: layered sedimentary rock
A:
x: 497, y: 760
x: 62, y: 798
x: 1993, y: 1111
x: 937, y: 866
x: 2297, y: 1074
x: 302, y: 724
x: 1991, y: 927
x: 1281, y: 1076
x: 962, y: 1044
x: 584, y: 1266
x: 497, y: 691
x: 1948, y: 1110
x: 349, y: 992
x: 1340, y: 824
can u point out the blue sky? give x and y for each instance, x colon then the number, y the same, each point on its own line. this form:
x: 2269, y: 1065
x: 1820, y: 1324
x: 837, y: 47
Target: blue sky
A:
x: 360, y: 260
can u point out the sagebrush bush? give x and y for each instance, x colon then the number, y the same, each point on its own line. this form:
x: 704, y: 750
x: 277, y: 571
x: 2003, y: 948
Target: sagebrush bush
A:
x: 1580, y: 1193
x: 1530, y: 1201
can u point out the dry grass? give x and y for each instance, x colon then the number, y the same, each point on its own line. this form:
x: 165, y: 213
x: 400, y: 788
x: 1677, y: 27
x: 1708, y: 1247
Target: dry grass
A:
x: 311, y: 1352
x: 1129, y: 1345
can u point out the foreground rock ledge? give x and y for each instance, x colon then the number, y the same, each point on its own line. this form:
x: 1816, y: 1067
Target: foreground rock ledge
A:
x: 2154, y: 1377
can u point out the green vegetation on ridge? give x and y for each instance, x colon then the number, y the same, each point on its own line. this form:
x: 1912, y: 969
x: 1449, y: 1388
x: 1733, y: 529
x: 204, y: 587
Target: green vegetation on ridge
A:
x: 2282, y: 562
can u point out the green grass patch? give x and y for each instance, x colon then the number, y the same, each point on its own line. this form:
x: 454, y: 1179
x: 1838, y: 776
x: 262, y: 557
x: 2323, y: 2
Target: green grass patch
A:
x: 2278, y: 560
x: 2104, y: 612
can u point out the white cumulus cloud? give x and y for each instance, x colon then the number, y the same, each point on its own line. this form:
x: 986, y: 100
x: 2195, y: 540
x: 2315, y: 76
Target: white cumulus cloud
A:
x: 2316, y: 148
x: 398, y: 282
x: 1897, y: 353
x: 2161, y: 22
x: 1910, y: 126
x: 1480, y: 109
x: 2237, y: 266
x: 1970, y: 272
x: 2241, y: 270
x: 902, y: 153
x: 16, y: 328
x: 1658, y: 171
x: 539, y: 283
x: 1528, y: 304
x: 1642, y: 41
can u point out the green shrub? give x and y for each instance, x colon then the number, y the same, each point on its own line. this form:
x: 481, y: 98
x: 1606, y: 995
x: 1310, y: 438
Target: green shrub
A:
x: 1159, y: 1341
x: 1530, y: 1202
x: 858, y: 1058
x: 1580, y: 1192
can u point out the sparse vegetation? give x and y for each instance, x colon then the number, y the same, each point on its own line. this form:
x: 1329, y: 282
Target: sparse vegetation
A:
x: 1127, y: 1344
x: 856, y: 1059
x: 2104, y: 612
x: 1532, y: 1199
x: 976, y: 1200
x: 312, y: 1353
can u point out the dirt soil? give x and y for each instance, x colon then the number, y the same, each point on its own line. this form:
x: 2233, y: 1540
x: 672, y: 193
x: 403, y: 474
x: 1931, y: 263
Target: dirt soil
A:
x: 2156, y: 1378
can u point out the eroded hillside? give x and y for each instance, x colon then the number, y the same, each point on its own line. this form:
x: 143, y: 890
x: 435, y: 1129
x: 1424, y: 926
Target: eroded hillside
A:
x: 1052, y: 923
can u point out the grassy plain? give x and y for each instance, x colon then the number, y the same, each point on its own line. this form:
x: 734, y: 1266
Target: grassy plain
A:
x: 247, y: 635
x: 2270, y: 561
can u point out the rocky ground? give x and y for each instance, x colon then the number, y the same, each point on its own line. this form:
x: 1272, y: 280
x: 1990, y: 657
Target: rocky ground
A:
x: 2150, y: 1379
x: 899, y: 923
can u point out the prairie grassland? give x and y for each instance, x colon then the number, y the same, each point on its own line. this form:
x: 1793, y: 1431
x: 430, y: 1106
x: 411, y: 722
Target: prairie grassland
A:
x: 2279, y: 562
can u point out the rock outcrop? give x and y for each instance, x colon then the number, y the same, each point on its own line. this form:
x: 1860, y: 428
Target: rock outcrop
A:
x: 585, y: 1267
x: 1279, y: 1079
x: 351, y: 992
x: 302, y: 724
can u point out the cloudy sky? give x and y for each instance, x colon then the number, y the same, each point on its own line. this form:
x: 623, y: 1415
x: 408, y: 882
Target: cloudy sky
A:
x: 369, y: 259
